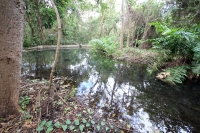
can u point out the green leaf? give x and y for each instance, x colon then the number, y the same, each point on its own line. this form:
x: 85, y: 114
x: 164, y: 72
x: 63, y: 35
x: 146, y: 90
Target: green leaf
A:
x: 71, y: 127
x: 107, y: 128
x: 92, y: 122
x: 68, y: 122
x: 49, y: 123
x: 79, y: 115
x: 64, y: 127
x: 81, y: 127
x: 57, y: 124
x: 102, y: 123
x: 84, y: 120
x: 89, y: 111
x: 98, y: 127
x: 49, y: 129
x: 43, y: 123
x: 39, y: 128
x: 87, y: 124
x: 196, y: 69
x: 76, y: 122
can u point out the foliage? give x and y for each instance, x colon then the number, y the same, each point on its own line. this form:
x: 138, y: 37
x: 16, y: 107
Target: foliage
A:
x: 106, y: 46
x: 196, y: 50
x: 158, y: 62
x: 196, y: 59
x: 177, y: 41
x: 184, y: 13
x: 79, y: 124
x: 48, y: 17
x: 177, y: 74
x: 196, y: 69
x: 73, y: 92
x: 24, y: 102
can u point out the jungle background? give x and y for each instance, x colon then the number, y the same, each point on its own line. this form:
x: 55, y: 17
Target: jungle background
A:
x: 170, y: 28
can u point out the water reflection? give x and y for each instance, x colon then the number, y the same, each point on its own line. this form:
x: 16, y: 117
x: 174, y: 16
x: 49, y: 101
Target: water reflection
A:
x: 122, y: 91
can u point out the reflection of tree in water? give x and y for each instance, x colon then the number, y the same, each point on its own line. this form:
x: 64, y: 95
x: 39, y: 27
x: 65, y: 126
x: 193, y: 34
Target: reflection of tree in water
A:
x: 172, y: 107
x: 38, y: 64
x: 122, y: 89
x: 122, y: 75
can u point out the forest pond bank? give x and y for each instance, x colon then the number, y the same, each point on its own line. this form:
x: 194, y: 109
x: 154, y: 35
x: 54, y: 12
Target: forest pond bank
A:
x: 121, y: 91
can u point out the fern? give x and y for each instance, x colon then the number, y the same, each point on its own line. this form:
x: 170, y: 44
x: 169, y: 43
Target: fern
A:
x: 177, y: 74
x: 196, y: 50
x: 196, y: 69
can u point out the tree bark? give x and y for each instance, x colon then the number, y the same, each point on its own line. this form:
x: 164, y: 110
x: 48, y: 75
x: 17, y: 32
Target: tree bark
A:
x: 11, y: 36
x: 101, y: 25
x: 39, y: 20
x: 58, y: 44
x: 129, y: 31
x: 122, y: 26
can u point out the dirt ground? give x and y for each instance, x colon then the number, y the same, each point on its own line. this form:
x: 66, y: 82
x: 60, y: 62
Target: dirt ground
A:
x: 57, y: 111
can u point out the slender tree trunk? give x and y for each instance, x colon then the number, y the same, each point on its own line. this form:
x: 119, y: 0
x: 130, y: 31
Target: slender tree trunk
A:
x: 39, y: 20
x: 129, y: 31
x: 101, y: 24
x: 58, y: 44
x: 11, y: 36
x: 122, y: 26
x: 30, y: 25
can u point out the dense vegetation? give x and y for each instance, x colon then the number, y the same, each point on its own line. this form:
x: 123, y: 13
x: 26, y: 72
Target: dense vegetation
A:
x: 170, y: 27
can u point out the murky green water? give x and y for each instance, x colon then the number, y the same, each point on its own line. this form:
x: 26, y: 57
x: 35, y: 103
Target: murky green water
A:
x: 123, y: 91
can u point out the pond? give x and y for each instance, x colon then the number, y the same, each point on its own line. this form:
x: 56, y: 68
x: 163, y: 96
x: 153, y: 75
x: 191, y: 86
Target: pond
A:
x: 122, y: 91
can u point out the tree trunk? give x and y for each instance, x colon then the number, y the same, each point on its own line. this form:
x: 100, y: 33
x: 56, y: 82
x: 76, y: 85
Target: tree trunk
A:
x: 129, y: 31
x: 11, y: 36
x: 58, y: 44
x: 122, y: 27
x: 101, y: 25
x: 39, y: 20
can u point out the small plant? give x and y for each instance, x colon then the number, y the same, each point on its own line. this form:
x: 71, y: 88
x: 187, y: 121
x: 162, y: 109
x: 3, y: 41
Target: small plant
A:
x: 44, y: 125
x: 60, y: 103
x: 25, y: 100
x: 67, y: 110
x: 73, y: 92
x: 27, y: 115
x: 79, y: 124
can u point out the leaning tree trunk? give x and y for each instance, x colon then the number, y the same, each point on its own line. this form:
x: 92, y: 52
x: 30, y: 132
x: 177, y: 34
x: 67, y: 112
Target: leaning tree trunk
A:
x: 58, y: 44
x: 11, y: 35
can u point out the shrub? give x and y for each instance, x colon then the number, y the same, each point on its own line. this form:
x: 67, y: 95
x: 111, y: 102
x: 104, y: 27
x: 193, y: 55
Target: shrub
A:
x: 106, y: 46
x: 178, y: 42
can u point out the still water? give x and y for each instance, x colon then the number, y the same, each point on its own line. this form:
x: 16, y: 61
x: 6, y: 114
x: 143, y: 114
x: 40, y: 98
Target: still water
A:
x: 122, y: 91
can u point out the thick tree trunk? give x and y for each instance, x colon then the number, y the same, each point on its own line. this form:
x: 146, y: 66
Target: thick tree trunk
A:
x: 11, y: 35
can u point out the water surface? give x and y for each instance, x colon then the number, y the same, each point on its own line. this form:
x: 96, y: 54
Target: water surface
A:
x: 122, y: 91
